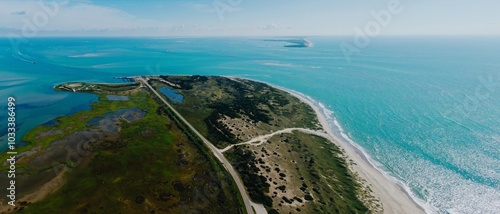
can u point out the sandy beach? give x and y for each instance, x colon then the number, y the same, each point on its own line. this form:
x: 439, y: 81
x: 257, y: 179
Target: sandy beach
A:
x: 394, y: 198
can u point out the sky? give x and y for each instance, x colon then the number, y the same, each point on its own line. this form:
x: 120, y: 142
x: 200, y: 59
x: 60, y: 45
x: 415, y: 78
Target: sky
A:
x: 30, y: 18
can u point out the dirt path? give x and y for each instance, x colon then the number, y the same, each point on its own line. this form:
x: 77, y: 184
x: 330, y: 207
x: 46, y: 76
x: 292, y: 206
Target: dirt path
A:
x: 263, y: 138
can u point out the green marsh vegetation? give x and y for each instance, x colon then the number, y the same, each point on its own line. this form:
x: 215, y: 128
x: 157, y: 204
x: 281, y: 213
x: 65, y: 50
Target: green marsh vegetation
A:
x: 150, y: 165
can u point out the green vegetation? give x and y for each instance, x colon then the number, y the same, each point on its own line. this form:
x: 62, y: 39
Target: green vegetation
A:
x: 208, y: 101
x: 44, y: 135
x: 244, y: 161
x: 152, y: 165
x: 290, y: 173
x: 298, y: 173
x: 93, y: 88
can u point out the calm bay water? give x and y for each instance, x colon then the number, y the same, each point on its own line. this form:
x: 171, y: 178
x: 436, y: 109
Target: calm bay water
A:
x: 426, y: 110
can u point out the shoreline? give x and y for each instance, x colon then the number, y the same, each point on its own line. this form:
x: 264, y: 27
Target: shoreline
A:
x: 395, y: 198
x: 393, y: 194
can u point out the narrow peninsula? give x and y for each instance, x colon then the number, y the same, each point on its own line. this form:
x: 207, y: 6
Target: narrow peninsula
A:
x: 187, y: 144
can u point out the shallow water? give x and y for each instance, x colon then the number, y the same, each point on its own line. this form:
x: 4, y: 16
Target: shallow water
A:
x: 116, y: 98
x: 172, y: 94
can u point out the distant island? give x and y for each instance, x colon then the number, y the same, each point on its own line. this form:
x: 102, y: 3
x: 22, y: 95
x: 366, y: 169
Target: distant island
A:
x: 293, y: 43
x: 194, y: 144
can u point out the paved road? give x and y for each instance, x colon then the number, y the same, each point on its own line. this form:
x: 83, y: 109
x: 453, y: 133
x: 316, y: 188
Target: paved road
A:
x: 216, y: 152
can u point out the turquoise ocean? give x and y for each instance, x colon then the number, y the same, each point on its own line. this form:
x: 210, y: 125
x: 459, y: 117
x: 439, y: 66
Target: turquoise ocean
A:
x: 425, y: 110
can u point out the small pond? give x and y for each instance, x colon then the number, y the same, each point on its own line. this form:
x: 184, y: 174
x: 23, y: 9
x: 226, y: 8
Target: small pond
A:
x: 172, y: 94
x: 117, y: 98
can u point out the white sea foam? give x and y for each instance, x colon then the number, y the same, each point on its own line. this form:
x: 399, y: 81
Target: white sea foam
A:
x: 282, y: 64
x: 463, y: 193
x: 87, y: 55
x: 277, y: 64
x: 108, y: 65
x: 308, y: 43
x: 342, y: 135
x: 23, y: 57
x: 440, y: 188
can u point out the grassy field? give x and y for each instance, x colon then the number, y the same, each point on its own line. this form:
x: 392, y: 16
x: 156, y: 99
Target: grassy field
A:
x: 229, y: 111
x: 290, y: 173
x: 150, y: 166
x: 298, y: 173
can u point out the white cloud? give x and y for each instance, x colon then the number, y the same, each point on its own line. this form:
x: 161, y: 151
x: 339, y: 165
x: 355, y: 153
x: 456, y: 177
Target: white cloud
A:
x: 19, y: 13
x: 73, y: 16
x: 201, y: 7
x: 273, y: 26
x: 211, y: 8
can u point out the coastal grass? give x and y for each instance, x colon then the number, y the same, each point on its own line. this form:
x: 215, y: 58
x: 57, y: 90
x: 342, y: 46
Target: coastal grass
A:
x: 298, y: 173
x: 255, y: 108
x: 326, y: 171
x: 230, y: 185
x: 68, y: 125
x: 291, y: 173
x: 155, y: 164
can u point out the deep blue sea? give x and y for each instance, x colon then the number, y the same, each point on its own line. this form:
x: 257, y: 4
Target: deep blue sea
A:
x: 425, y: 109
